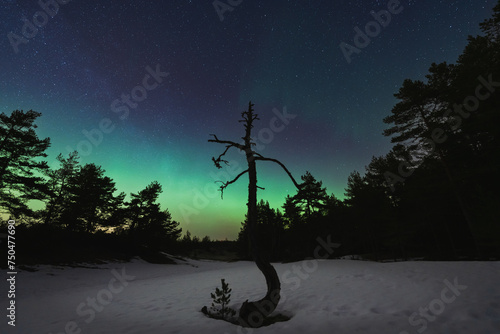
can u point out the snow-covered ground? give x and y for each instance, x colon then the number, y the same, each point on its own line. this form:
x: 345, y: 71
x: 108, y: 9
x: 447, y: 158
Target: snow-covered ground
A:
x: 321, y: 296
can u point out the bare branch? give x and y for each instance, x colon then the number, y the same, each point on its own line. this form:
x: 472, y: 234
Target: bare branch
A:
x: 219, y: 159
x: 225, y: 184
x: 230, y: 144
x: 260, y: 157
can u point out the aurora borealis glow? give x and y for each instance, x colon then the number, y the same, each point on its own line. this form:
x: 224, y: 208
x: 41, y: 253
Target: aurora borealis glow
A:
x: 97, y: 71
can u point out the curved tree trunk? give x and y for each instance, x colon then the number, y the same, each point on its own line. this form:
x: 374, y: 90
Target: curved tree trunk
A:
x: 252, y: 314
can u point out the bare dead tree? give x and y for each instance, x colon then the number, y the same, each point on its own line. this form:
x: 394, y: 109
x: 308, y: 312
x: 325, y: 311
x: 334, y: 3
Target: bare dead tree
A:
x: 252, y: 314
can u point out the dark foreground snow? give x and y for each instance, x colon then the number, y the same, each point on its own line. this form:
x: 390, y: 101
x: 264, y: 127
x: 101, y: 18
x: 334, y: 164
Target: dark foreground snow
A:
x: 320, y: 296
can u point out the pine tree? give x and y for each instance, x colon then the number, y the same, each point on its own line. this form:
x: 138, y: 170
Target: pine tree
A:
x: 491, y: 26
x: 421, y: 110
x: 419, y: 120
x: 58, y: 195
x: 20, y: 153
x: 148, y: 223
x: 221, y: 299
x: 311, y: 196
x: 91, y: 200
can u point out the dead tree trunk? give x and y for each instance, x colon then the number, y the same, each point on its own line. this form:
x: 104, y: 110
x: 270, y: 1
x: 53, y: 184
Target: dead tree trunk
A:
x: 252, y: 314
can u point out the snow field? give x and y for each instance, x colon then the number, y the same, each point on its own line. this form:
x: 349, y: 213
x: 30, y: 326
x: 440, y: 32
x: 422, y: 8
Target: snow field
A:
x: 320, y: 296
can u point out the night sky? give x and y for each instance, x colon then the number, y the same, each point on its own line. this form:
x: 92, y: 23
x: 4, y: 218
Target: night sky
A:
x: 88, y: 70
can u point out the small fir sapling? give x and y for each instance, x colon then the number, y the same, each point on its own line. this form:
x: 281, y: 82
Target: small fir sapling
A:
x: 221, y: 299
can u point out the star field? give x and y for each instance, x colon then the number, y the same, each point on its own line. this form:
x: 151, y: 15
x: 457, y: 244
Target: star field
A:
x: 282, y: 55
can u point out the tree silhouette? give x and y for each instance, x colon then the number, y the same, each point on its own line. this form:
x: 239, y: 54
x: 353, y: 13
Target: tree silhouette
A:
x: 419, y: 121
x: 143, y: 207
x: 91, y: 200
x: 148, y: 223
x: 20, y: 150
x: 253, y: 313
x: 58, y: 183
x: 269, y: 229
x: 312, y: 196
x: 491, y: 26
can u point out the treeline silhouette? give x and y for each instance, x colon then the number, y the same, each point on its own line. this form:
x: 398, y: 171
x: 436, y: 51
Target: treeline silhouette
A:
x: 434, y: 195
x: 83, y: 218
